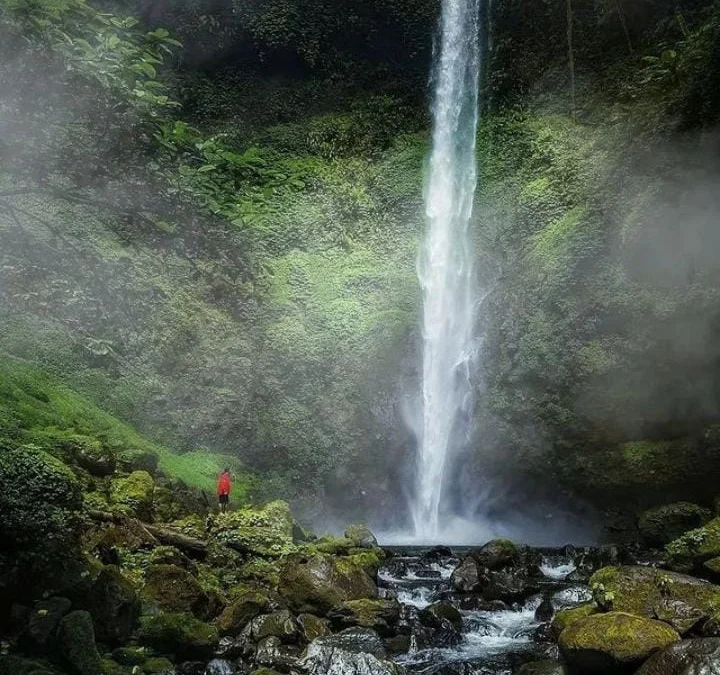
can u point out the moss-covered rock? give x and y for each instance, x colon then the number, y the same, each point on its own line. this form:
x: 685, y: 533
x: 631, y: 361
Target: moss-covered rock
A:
x: 40, y: 500
x: 247, y: 604
x: 312, y: 627
x: 134, y: 494
x: 362, y: 536
x: 44, y: 620
x: 266, y: 532
x: 280, y: 624
x: 318, y: 583
x: 333, y: 545
x: 157, y: 665
x: 77, y: 643
x: 130, y: 656
x: 111, y: 667
x: 691, y: 550
x: 613, y: 642
x: 380, y: 615
x: 114, y: 606
x: 496, y: 554
x: 174, y: 589
x: 566, y: 617
x: 661, y: 525
x: 179, y: 634
x: 436, y: 614
x: 169, y: 555
x: 689, y: 657
x: 11, y: 664
x: 653, y: 593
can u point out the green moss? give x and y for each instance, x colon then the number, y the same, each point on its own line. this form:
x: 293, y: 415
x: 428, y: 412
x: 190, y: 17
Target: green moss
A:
x: 157, y: 665
x: 615, y: 638
x: 267, y: 531
x: 40, y: 501
x: 77, y: 643
x: 179, y: 634
x: 566, y: 617
x: 695, y: 547
x: 134, y: 493
x: 642, y: 590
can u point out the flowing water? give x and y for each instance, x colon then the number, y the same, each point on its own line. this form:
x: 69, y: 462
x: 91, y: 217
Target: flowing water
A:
x: 493, y: 642
x: 445, y: 267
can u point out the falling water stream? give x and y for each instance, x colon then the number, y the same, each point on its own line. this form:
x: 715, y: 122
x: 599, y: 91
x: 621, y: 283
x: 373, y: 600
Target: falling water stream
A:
x: 446, y: 269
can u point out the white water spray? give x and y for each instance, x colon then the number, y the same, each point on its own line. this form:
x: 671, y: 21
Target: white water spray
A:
x: 446, y: 264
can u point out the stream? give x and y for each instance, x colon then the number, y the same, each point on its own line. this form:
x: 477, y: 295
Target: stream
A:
x: 493, y: 640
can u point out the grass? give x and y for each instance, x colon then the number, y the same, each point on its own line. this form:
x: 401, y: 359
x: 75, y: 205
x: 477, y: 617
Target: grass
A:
x: 35, y: 404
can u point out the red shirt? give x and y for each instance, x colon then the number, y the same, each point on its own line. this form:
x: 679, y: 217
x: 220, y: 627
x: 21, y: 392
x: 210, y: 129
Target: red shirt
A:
x: 224, y: 485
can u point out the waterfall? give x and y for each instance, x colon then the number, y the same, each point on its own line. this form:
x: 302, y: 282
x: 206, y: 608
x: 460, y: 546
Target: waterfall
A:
x: 446, y: 264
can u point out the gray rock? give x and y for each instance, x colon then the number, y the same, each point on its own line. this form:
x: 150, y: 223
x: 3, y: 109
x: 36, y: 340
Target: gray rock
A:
x: 356, y: 651
x: 466, y: 576
x: 689, y: 657
x: 44, y: 619
x: 541, y: 668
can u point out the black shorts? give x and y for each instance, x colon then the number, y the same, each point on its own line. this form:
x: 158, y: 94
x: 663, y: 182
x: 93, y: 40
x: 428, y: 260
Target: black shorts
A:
x: 224, y: 499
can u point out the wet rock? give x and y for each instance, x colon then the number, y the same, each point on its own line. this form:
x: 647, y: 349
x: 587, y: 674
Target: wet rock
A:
x: 398, y: 644
x: 321, y: 582
x: 77, y: 643
x: 649, y: 592
x: 231, y: 648
x: 466, y: 576
x: 221, y: 667
x: 361, y: 536
x: 613, y: 642
x: 664, y: 524
x: 543, y: 633
x: 114, y: 606
x: 248, y: 604
x: 437, y: 614
x: 380, y: 615
x: 541, y: 668
x: 507, y: 585
x: 280, y: 624
x: 545, y: 611
x: 497, y: 554
x: 179, y: 634
x: 355, y: 651
x: 680, y: 615
x: 312, y: 627
x: 272, y: 653
x: 689, y: 657
x: 174, y: 589
x: 436, y: 554
x: 44, y: 620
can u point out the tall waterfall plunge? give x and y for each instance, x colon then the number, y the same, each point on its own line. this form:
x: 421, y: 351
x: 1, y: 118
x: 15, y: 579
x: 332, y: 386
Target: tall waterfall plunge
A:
x: 446, y: 266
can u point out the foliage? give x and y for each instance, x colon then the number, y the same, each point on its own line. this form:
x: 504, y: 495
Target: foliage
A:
x: 40, y: 499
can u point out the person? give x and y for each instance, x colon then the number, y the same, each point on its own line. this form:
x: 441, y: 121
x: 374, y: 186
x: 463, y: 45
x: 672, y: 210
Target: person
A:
x: 223, y: 490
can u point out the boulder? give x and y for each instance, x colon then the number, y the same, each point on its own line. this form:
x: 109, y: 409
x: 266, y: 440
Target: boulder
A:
x: 76, y: 640
x: 678, y: 599
x: 466, y: 576
x: 497, y: 554
x: 44, y: 620
x: 179, y: 634
x: 114, y: 606
x: 157, y: 665
x: 509, y: 585
x: 361, y: 536
x: 321, y: 582
x: 691, y: 550
x: 174, y: 589
x: 613, y: 643
x: 247, y: 605
x: 440, y: 613
x: 272, y: 653
x: 280, y: 624
x: 312, y: 627
x: 265, y: 532
x: 545, y: 611
x: 134, y: 494
x: 541, y: 668
x: 566, y: 617
x: 380, y: 615
x: 355, y: 651
x: 664, y: 524
x: 689, y: 657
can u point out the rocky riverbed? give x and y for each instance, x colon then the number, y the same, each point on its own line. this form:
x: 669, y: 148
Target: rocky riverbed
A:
x: 151, y: 583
